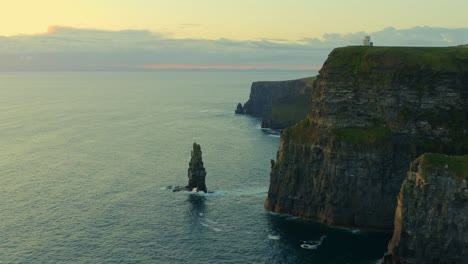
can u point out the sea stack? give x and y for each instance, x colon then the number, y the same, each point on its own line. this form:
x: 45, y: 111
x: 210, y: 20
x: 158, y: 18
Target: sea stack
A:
x: 239, y: 109
x: 196, y: 171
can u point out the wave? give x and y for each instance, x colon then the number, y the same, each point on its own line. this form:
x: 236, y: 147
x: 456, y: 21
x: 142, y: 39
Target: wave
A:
x: 261, y: 190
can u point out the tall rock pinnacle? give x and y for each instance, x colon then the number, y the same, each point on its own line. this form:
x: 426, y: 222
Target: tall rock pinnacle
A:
x: 196, y: 171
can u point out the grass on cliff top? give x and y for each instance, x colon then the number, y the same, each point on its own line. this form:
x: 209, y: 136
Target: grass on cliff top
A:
x: 456, y: 165
x: 362, y: 58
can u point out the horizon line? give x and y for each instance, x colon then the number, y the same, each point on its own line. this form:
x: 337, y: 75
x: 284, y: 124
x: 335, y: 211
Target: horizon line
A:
x: 226, y: 67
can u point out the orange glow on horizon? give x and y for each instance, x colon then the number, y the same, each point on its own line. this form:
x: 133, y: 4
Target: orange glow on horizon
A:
x: 227, y: 67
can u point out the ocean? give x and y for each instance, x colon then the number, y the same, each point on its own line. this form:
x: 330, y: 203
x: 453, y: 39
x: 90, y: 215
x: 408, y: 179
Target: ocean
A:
x: 86, y: 156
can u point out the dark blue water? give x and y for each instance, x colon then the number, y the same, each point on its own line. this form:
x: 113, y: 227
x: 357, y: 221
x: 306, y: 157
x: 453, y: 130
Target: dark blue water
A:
x: 85, y: 158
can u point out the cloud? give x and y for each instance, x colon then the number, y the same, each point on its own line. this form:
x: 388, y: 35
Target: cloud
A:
x: 66, y: 48
x: 416, y: 36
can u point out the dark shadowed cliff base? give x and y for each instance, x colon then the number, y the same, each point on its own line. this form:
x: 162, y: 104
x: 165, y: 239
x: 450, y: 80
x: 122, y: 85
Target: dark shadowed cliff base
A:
x: 279, y: 103
x: 374, y: 110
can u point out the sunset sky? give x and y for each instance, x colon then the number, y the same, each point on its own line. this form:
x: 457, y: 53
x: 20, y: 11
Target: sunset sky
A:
x: 221, y: 32
x: 233, y: 19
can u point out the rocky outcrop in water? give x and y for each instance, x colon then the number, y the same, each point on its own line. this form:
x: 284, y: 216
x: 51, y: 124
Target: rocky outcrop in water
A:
x: 239, y: 109
x: 279, y: 103
x: 196, y: 171
x: 373, y: 111
x: 432, y: 213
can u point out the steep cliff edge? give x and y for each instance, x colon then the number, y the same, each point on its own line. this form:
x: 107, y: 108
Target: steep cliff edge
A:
x: 432, y: 213
x: 279, y: 103
x: 373, y: 111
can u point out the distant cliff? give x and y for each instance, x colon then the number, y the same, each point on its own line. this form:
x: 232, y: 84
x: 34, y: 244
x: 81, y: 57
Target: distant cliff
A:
x: 279, y: 103
x: 432, y: 213
x: 373, y: 111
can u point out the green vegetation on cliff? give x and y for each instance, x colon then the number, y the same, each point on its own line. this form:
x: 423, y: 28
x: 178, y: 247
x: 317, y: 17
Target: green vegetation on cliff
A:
x: 361, y: 59
x: 457, y: 166
x: 302, y: 133
x: 365, y: 135
x: 456, y: 121
x: 289, y: 111
x: 305, y: 132
x: 374, y: 110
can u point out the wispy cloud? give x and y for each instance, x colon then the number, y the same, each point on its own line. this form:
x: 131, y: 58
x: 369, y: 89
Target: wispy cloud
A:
x: 66, y: 48
x: 416, y: 36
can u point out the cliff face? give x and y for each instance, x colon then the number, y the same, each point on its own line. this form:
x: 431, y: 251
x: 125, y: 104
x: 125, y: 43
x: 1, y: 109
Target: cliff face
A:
x: 374, y: 110
x: 280, y: 103
x: 432, y: 213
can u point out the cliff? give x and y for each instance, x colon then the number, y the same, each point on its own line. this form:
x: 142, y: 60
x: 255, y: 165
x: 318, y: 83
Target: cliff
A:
x: 373, y: 111
x: 279, y: 103
x: 432, y: 213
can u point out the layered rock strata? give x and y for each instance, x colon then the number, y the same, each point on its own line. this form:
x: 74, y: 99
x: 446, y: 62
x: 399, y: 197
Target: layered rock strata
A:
x: 432, y: 213
x: 373, y: 111
x: 279, y: 103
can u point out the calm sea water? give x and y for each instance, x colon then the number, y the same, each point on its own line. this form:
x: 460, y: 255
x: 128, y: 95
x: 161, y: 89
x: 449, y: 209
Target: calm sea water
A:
x: 85, y: 158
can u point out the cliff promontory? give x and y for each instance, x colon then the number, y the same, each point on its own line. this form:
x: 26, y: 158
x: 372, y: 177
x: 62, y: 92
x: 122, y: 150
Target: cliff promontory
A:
x: 373, y: 111
x: 279, y: 103
x: 432, y: 213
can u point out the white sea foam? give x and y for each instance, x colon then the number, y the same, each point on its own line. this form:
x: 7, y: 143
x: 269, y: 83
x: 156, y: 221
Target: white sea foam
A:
x: 211, y: 221
x: 309, y: 246
x: 194, y: 192
x: 313, y: 244
x: 204, y: 224
x: 216, y: 229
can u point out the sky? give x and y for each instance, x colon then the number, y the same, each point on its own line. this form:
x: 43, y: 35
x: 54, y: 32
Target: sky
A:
x: 210, y: 34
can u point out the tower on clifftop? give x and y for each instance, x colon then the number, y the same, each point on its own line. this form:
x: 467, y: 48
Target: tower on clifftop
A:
x: 366, y: 41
